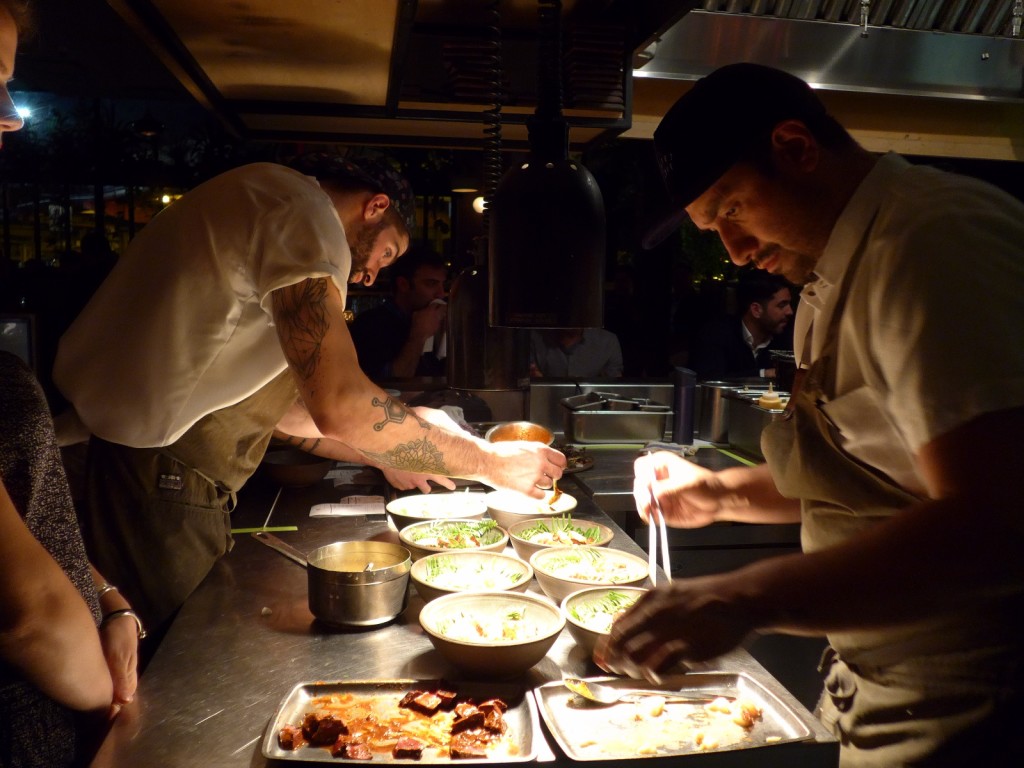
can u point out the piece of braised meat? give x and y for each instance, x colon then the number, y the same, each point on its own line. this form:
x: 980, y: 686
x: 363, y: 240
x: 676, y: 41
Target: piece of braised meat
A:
x: 448, y: 698
x: 465, y: 747
x: 408, y: 748
x: 290, y: 737
x: 351, y: 750
x: 322, y: 728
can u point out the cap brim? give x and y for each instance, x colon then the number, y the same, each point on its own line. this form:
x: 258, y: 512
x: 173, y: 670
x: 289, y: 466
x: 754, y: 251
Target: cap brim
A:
x: 667, y: 222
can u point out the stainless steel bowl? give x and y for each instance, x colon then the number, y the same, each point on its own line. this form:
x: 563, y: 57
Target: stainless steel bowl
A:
x: 352, y: 583
x: 519, y: 430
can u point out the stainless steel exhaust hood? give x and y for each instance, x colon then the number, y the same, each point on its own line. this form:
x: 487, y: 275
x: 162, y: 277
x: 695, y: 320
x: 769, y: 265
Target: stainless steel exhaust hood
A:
x: 921, y: 49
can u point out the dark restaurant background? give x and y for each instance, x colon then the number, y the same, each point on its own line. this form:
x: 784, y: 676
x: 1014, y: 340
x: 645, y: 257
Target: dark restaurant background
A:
x: 113, y: 137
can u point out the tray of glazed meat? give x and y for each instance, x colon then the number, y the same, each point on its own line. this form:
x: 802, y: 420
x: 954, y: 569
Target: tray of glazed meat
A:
x: 746, y: 716
x: 402, y: 721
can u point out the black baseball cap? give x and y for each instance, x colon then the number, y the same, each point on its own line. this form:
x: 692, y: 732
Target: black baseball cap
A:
x: 376, y: 173
x: 717, y: 123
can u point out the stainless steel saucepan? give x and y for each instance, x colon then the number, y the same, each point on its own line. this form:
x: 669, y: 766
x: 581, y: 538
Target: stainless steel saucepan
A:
x: 352, y: 583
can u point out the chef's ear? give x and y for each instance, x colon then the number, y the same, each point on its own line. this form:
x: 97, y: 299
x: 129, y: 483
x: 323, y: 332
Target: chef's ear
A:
x: 375, y: 207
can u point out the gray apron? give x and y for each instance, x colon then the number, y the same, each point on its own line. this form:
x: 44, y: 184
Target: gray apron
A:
x: 940, y: 692
x: 156, y: 520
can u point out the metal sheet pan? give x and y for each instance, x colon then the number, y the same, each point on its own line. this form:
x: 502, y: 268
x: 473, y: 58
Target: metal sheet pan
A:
x: 627, y: 731
x: 518, y: 743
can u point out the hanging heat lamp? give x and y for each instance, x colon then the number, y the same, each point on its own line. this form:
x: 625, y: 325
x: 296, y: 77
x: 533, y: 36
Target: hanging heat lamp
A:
x: 547, y: 231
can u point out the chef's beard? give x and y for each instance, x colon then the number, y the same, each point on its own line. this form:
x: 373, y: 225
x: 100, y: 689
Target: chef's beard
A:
x: 361, y: 248
x: 796, y: 267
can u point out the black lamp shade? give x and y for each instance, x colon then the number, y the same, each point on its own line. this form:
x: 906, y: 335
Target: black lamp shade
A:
x: 547, y: 247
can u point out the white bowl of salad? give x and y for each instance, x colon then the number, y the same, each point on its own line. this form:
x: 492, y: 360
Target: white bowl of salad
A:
x: 589, y: 613
x: 529, y: 536
x: 431, y: 536
x: 443, y: 573
x: 492, y: 634
x: 563, y: 570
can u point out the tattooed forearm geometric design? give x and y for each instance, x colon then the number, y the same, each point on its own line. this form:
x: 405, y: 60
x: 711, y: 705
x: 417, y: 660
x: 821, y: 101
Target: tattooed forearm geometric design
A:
x: 394, y: 413
x: 302, y: 309
x: 415, y: 456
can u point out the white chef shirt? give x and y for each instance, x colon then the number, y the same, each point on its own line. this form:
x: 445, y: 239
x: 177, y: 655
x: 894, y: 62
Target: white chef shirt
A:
x: 182, y: 325
x: 928, y: 338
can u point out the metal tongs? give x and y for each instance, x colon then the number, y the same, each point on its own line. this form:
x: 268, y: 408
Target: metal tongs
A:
x: 656, y: 529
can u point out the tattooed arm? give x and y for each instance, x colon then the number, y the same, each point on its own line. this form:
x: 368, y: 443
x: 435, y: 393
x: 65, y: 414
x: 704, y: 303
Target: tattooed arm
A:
x: 319, y: 445
x: 347, y: 407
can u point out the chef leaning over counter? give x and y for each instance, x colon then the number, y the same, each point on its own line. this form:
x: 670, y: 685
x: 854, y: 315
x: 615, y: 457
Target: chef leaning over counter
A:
x: 899, y: 453
x: 223, y: 321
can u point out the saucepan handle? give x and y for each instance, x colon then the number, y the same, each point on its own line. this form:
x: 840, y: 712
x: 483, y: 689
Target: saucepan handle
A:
x: 275, y: 543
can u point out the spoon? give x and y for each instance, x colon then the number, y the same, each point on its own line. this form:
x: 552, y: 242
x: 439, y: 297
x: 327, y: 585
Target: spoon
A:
x: 606, y: 694
x: 554, y: 495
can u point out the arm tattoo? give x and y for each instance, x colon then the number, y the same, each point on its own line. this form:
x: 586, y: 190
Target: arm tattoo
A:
x: 301, y: 311
x: 415, y: 456
x: 395, y: 413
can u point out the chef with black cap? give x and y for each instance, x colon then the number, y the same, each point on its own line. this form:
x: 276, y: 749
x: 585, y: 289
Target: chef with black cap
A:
x: 900, y: 460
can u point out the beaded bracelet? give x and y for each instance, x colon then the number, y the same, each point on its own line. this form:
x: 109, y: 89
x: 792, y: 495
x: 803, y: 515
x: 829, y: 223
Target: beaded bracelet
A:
x: 124, y: 612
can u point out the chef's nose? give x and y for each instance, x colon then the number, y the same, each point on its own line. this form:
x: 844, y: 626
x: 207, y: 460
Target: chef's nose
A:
x: 10, y: 120
x: 740, y: 246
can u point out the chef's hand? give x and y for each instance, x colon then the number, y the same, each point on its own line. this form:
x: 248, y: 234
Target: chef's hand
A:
x: 689, y: 495
x: 406, y: 481
x: 522, y: 465
x: 687, y: 620
x: 120, y: 641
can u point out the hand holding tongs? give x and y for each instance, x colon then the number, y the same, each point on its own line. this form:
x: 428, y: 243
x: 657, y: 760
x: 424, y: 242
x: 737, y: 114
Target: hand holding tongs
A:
x: 656, y: 518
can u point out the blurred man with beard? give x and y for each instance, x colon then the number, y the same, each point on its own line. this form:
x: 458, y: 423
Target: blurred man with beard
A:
x: 223, y: 321
x: 740, y: 347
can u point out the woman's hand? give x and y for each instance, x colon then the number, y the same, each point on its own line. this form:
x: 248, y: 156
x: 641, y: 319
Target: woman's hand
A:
x: 120, y: 640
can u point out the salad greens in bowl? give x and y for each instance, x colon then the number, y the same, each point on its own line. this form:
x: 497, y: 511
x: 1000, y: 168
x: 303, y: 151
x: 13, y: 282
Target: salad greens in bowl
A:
x: 443, y: 573
x: 563, y: 570
x: 589, y: 613
x: 529, y: 536
x: 492, y: 634
x: 432, y: 536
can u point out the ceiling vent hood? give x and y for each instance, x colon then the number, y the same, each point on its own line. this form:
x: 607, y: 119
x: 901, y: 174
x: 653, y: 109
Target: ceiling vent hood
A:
x: 967, y: 49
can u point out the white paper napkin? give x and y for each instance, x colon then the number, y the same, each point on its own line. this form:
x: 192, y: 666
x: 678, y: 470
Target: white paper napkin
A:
x: 350, y: 506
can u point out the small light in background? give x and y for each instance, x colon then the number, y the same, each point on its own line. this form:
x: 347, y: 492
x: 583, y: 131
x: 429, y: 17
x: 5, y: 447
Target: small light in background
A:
x: 165, y: 199
x: 24, y: 112
x: 478, y: 204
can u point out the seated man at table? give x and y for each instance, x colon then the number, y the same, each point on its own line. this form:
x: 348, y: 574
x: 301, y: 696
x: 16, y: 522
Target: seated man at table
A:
x: 578, y: 353
x: 401, y: 337
x: 738, y: 347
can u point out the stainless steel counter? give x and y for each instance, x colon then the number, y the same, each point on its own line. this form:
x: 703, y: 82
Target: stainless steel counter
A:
x: 246, y: 637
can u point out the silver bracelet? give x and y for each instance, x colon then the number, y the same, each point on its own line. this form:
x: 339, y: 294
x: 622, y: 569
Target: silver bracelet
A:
x: 105, y: 587
x: 124, y: 612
